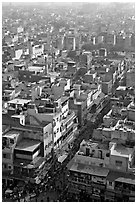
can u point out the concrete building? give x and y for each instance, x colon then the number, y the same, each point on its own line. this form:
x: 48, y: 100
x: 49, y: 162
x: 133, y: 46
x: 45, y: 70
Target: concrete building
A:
x: 111, y: 39
x: 130, y: 78
x: 80, y: 107
x: 91, y: 169
x: 124, y: 131
x: 27, y: 147
x: 107, y: 87
x: 9, y: 141
x: 121, y: 158
x: 131, y: 112
x: 64, y: 122
x: 121, y: 91
x: 120, y: 187
x: 69, y: 42
x: 37, y: 69
x: 36, y: 50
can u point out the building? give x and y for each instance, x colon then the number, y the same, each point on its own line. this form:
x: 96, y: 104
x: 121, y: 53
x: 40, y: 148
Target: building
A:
x: 130, y: 78
x: 131, y: 111
x: 69, y: 42
x: 91, y: 170
x: 107, y: 87
x: 120, y: 187
x: 121, y: 91
x: 25, y: 148
x: 111, y: 39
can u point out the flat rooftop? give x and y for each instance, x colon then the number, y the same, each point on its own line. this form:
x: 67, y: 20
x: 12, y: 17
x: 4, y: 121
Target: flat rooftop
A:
x: 121, y: 177
x: 12, y: 134
x: 35, y: 68
x: 27, y: 145
x: 88, y: 169
x: 64, y: 98
x: 19, y: 101
x: 121, y: 151
x: 30, y: 164
x: 95, y: 145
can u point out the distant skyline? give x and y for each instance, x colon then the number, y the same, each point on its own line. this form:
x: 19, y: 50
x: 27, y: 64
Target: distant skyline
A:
x: 67, y: 1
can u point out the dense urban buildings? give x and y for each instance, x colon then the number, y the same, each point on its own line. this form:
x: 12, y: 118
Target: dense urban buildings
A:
x: 68, y: 102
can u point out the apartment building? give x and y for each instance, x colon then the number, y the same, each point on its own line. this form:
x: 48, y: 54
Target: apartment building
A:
x: 131, y: 111
x: 64, y: 122
x: 9, y: 140
x: 28, y: 144
x: 130, y: 78
x: 120, y: 187
x: 91, y: 167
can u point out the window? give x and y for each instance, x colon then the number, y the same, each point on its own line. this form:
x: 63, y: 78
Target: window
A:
x: 108, y: 154
x: 9, y: 166
x: 110, y: 183
x: 11, y: 141
x: 4, y: 166
x: 118, y: 163
x: 4, y: 156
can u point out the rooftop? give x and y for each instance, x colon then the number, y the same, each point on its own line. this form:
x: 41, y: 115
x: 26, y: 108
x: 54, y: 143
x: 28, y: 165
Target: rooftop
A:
x: 19, y: 101
x: 95, y: 145
x: 121, y: 177
x: 12, y: 134
x: 88, y: 169
x: 121, y: 151
x: 64, y: 98
x: 27, y: 145
x: 35, y: 68
x: 30, y: 164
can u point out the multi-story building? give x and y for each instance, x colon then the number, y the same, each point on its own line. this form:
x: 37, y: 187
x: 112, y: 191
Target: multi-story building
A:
x: 9, y: 141
x: 80, y: 107
x: 64, y: 122
x: 107, y: 87
x: 91, y: 167
x: 130, y: 78
x: 120, y: 41
x: 131, y: 111
x: 36, y: 49
x: 69, y: 42
x: 25, y: 148
x: 111, y: 39
x: 120, y: 187
x: 121, y: 91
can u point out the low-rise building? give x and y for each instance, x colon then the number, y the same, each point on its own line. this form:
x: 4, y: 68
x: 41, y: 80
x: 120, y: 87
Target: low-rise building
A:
x: 120, y: 187
x: 131, y: 111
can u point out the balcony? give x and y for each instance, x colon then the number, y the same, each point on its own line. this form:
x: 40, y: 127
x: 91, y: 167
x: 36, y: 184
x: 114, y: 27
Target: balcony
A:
x: 6, y: 173
x: 43, y: 109
x: 118, y: 190
x: 128, y: 192
x: 99, y: 185
x: 71, y: 115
